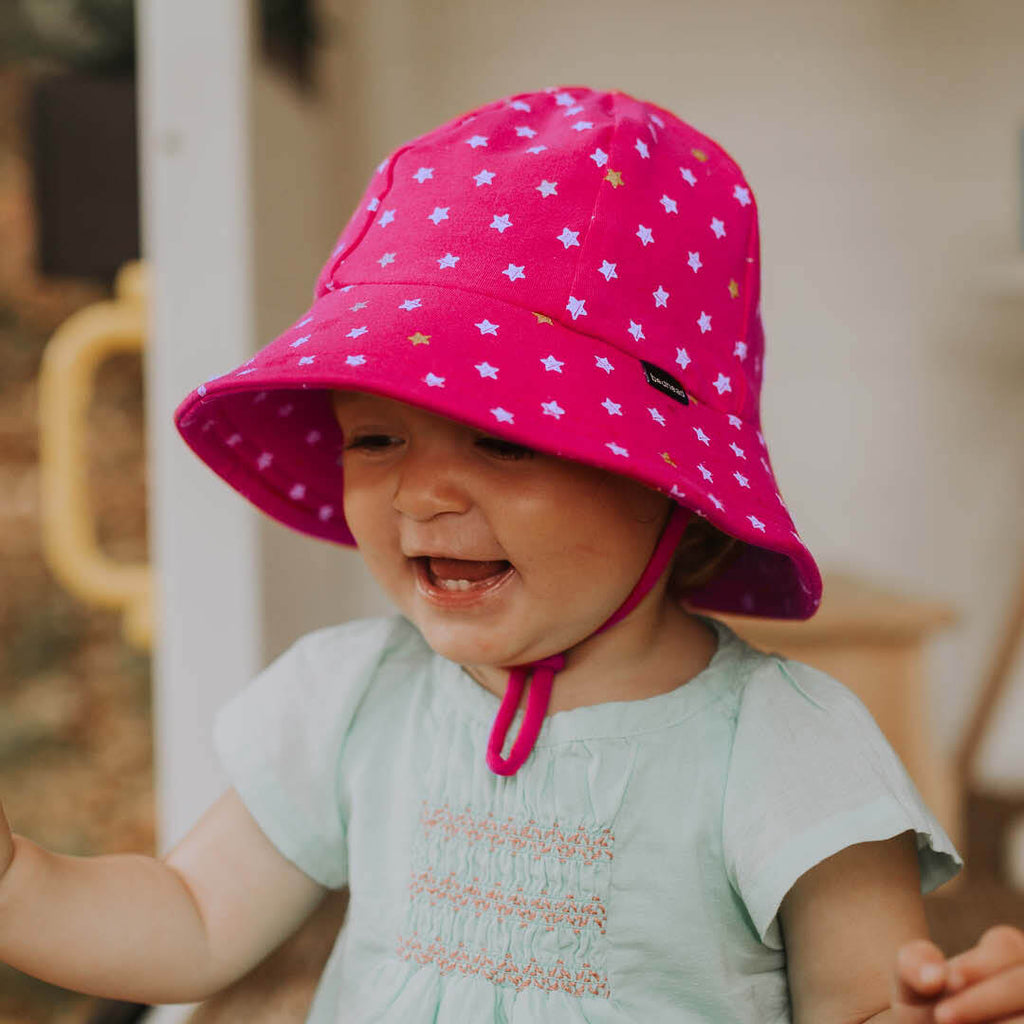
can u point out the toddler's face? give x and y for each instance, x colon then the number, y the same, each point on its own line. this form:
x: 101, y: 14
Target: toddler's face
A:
x: 550, y: 547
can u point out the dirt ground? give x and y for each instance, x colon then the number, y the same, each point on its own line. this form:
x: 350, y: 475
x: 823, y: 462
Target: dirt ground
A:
x: 76, y: 753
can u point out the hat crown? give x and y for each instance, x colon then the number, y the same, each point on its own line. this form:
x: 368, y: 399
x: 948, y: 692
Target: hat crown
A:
x: 604, y: 213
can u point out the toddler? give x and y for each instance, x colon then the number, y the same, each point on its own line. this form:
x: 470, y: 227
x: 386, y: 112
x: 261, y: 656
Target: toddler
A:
x: 527, y: 390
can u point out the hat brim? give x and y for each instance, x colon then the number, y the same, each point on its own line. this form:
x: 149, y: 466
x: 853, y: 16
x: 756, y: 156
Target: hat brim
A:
x: 268, y: 429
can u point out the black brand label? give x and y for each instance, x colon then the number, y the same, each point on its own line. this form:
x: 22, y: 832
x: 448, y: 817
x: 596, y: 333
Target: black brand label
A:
x: 664, y: 382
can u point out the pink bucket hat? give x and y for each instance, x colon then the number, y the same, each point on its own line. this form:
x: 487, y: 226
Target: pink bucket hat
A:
x: 575, y: 270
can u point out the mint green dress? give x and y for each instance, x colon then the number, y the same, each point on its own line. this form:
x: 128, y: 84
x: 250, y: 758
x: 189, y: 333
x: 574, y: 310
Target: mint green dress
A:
x: 631, y: 871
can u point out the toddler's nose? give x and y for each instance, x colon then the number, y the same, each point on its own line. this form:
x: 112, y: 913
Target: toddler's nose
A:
x: 429, y: 486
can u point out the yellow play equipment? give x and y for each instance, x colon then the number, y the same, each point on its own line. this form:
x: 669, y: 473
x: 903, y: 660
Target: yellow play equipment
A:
x: 69, y: 365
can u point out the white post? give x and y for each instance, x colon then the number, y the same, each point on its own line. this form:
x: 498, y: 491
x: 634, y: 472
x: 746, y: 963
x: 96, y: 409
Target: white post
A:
x: 195, y: 70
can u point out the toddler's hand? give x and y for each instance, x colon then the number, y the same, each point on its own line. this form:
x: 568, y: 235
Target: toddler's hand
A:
x: 986, y: 983
x: 6, y: 844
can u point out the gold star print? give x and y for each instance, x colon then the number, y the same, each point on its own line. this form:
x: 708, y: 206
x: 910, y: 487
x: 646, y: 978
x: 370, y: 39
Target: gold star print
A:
x: 542, y: 319
x: 419, y: 339
x: 615, y: 177
x: 734, y: 288
x: 699, y: 154
x: 668, y: 459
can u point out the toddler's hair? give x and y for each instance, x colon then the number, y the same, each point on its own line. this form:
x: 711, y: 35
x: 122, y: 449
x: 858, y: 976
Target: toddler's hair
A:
x: 702, y: 553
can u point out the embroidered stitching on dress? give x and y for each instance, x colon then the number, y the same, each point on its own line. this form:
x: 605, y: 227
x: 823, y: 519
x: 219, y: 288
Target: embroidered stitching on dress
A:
x: 542, y: 909
x: 506, y: 971
x: 529, y: 838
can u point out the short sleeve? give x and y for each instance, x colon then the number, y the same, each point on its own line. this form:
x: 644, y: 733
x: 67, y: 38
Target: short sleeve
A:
x: 280, y: 740
x: 811, y: 773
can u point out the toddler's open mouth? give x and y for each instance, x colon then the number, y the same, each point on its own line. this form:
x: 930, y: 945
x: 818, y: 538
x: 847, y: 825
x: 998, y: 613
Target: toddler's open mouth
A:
x: 454, y: 576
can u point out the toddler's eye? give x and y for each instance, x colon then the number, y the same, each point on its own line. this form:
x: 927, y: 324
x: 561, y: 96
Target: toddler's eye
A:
x: 371, y: 442
x: 504, y: 449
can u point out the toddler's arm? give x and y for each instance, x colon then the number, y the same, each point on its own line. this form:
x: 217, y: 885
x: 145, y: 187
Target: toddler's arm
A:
x: 127, y: 926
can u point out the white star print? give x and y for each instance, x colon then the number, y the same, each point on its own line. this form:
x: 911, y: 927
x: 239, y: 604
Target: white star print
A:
x: 608, y: 270
x: 568, y: 238
x: 735, y: 421
x: 718, y: 227
x: 741, y: 480
x: 433, y: 380
x: 356, y: 332
x: 688, y: 176
x: 552, y: 408
x: 325, y: 512
x: 705, y: 472
x: 694, y: 261
x: 298, y: 492
x: 486, y: 370
x: 233, y: 440
x: 373, y: 204
x: 718, y: 504
x: 582, y: 126
x: 722, y: 384
x: 265, y: 460
x: 760, y: 438
x: 742, y: 194
x: 645, y: 235
x: 565, y: 99
x: 358, y: 306
x: 355, y: 360
x: 483, y: 178
x: 737, y: 450
x: 600, y: 157
x: 756, y: 523
x: 477, y: 140
x: 520, y: 105
x: 306, y: 360
x: 614, y: 408
x: 503, y: 415
x: 603, y: 364
x: 525, y: 131
x: 447, y: 260
x: 388, y: 257
x: 411, y: 304
x: 440, y: 213
x: 486, y: 327
x: 551, y: 363
x: 669, y: 204
x: 740, y: 349
x: 657, y: 120
x: 536, y: 149
x: 617, y: 449
x: 547, y: 188
x: 575, y: 306
x: 574, y: 110
x: 302, y: 323
x: 636, y: 330
x: 287, y: 409
x: 501, y: 222
x: 386, y: 218
x: 682, y: 357
x: 313, y: 436
x: 513, y: 272
x: 701, y: 436
x: 656, y: 416
x: 641, y: 148
x: 660, y: 297
x: 300, y: 341
x: 423, y: 173
x: 704, y: 322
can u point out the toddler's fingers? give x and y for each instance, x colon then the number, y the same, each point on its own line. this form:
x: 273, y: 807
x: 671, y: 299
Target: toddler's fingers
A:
x: 1000, y: 947
x: 920, y: 975
x: 995, y: 998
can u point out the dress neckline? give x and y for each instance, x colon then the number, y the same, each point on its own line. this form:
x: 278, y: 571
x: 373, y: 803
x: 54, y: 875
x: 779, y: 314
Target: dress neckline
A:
x: 611, y: 718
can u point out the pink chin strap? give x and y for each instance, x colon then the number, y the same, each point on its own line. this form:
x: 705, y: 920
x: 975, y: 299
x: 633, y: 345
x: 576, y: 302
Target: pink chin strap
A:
x: 544, y: 669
